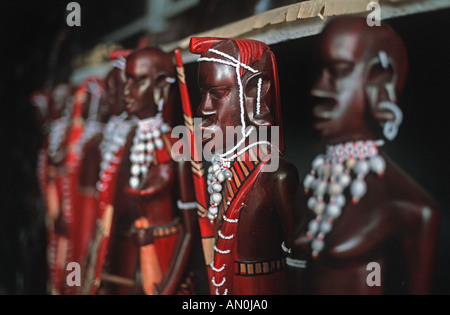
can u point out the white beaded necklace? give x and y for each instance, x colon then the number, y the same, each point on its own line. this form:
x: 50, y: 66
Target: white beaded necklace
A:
x: 331, y: 174
x: 114, y: 137
x: 58, y: 130
x: 146, y: 139
x: 220, y: 171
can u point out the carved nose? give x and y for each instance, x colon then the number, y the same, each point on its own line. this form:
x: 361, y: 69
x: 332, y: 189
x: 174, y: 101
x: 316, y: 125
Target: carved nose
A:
x: 206, y: 108
x: 323, y: 86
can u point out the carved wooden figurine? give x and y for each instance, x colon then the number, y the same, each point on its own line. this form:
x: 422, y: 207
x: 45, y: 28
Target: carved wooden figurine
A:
x: 251, y: 186
x: 104, y: 165
x: 367, y: 227
x: 52, y: 173
x: 153, y: 237
x: 99, y: 136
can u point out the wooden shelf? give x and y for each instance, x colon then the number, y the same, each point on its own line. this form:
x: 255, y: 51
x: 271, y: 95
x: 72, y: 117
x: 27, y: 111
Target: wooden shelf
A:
x: 291, y: 22
x: 305, y: 19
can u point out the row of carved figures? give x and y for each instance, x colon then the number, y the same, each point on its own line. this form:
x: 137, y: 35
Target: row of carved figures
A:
x: 130, y: 201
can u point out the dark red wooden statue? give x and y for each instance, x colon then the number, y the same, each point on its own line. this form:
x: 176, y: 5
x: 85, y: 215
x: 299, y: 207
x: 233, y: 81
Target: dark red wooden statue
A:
x: 154, y: 222
x: 366, y: 227
x: 105, y: 154
x: 251, y: 187
x: 52, y: 173
x: 86, y: 167
x: 100, y: 133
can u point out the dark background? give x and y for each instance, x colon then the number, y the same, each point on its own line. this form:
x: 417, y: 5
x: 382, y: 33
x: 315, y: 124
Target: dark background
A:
x: 32, y: 57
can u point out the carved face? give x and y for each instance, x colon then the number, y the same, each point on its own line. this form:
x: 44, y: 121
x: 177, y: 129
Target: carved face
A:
x: 239, y: 84
x: 219, y: 107
x: 352, y: 80
x: 146, y: 73
x: 113, y: 99
x: 339, y: 113
x: 58, y: 99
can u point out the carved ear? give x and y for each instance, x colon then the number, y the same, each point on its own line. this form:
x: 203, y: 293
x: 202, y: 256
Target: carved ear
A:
x: 381, y: 80
x: 162, y: 88
x: 258, y: 100
x: 255, y: 82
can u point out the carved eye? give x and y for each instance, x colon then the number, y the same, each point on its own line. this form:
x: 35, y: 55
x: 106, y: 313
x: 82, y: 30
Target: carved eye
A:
x: 341, y: 69
x: 219, y: 92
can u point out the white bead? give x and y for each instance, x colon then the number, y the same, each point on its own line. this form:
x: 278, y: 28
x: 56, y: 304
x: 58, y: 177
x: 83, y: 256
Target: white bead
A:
x: 141, y: 158
x: 358, y: 188
x: 377, y: 164
x: 141, y: 136
x: 319, y: 208
x: 361, y: 168
x: 213, y: 210
x: 317, y: 245
x: 318, y: 161
x: 340, y: 200
x: 135, y: 169
x: 321, y: 188
x: 228, y: 174
x: 221, y: 176
x: 149, y: 158
x: 159, y: 143
x: 337, y: 169
x: 140, y: 147
x: 325, y: 227
x: 215, y: 167
x: 335, y: 189
x: 326, y: 170
x: 144, y: 169
x: 344, y: 179
x: 108, y: 156
x: 308, y: 181
x: 312, y: 203
x: 211, y: 216
x: 333, y: 211
x: 156, y: 133
x: 165, y: 128
x: 134, y: 182
x: 217, y: 187
x: 313, y: 226
x: 210, y: 190
x: 148, y: 136
x: 150, y: 146
x: 216, y: 198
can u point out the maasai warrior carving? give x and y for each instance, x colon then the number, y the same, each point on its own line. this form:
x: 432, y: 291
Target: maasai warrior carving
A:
x: 51, y: 174
x: 85, y: 167
x: 69, y: 251
x: 101, y: 125
x: 109, y: 154
x: 359, y: 207
x: 251, y: 186
x: 153, y: 237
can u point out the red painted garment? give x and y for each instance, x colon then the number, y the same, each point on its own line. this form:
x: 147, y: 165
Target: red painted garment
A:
x: 227, y: 278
